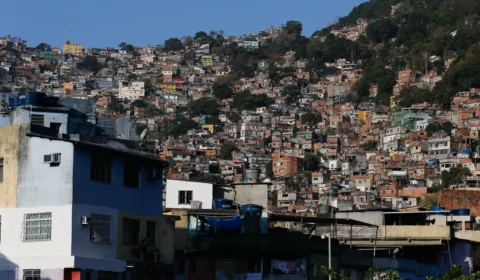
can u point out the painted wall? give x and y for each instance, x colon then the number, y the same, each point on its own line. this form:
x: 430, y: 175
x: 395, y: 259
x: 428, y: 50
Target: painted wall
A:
x: 22, y: 116
x: 164, y: 238
x: 201, y: 192
x: 41, y: 184
x: 245, y: 194
x: 12, y: 245
x: 81, y: 244
x: 181, y: 227
x: 145, y: 200
x: 9, y: 142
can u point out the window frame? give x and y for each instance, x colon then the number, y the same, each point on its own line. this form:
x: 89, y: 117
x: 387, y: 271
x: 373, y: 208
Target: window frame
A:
x: 103, y: 169
x: 101, y: 225
x: 129, y: 223
x: 184, y: 199
x: 35, y: 221
x: 34, y: 274
x: 131, y: 169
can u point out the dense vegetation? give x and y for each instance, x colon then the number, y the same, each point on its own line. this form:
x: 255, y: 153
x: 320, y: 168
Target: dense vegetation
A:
x: 417, y: 31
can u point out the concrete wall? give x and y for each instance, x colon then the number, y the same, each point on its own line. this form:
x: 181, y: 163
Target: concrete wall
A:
x: 12, y: 245
x: 201, y: 192
x: 41, y: 184
x: 9, y: 141
x: 244, y: 194
x: 145, y: 200
x: 164, y: 236
x: 22, y: 116
x: 180, y: 228
x: 415, y: 232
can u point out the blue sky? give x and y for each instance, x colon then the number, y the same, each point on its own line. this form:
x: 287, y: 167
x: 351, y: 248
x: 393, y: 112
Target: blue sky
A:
x: 101, y: 23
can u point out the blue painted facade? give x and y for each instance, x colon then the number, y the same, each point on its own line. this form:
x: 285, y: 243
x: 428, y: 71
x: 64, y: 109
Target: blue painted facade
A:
x: 145, y: 200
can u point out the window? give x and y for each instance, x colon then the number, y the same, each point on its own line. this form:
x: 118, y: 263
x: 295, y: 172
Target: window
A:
x: 37, y: 227
x: 131, y: 231
x: 151, y: 233
x: 101, y: 169
x: 55, y: 126
x: 37, y: 119
x: 131, y: 175
x: 100, y: 228
x: 185, y: 197
x: 1, y: 170
x: 31, y: 274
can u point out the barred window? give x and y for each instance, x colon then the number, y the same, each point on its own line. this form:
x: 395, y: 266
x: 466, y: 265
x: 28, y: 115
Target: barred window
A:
x: 37, y: 227
x: 31, y: 274
x: 100, y: 228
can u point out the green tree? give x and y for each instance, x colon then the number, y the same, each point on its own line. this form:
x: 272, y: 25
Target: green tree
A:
x: 436, y: 126
x: 455, y: 175
x: 139, y: 103
x: 291, y: 93
x: 226, y: 151
x: 188, y: 41
x: 269, y: 169
x: 202, y: 38
x: 413, y: 95
x: 172, y: 44
x: 311, y: 118
x: 382, y: 30
x: 222, y: 89
x: 44, y: 47
x: 90, y: 63
x: 234, y: 118
x: 247, y: 101
x: 204, y: 106
x: 311, y: 162
x: 293, y: 26
x: 369, y: 145
x: 429, y: 200
x: 122, y: 45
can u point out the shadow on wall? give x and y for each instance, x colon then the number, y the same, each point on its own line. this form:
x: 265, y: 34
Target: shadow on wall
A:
x: 10, y: 271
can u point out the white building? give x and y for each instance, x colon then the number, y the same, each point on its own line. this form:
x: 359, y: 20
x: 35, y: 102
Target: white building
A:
x: 180, y: 194
x: 131, y: 91
x: 72, y: 209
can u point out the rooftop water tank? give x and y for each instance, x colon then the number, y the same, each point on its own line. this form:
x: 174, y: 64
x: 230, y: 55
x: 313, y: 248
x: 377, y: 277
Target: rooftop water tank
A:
x: 438, y: 211
x: 14, y: 102
x: 222, y: 204
x: 29, y: 98
x: 460, y: 212
x: 252, y: 173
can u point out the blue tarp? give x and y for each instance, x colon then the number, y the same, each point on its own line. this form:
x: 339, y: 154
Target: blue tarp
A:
x: 225, y: 223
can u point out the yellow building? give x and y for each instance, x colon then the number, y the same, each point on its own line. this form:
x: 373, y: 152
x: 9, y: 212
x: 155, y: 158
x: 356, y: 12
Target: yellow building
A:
x: 209, y: 127
x: 146, y: 238
x: 67, y: 87
x: 75, y: 49
x: 10, y: 142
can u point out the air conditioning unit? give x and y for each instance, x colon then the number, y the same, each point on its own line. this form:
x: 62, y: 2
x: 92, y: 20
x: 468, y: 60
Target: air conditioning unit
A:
x: 52, y: 158
x: 85, y: 221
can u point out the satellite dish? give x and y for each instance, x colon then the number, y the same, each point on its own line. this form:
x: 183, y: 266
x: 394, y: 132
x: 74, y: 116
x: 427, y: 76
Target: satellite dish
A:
x: 142, y: 135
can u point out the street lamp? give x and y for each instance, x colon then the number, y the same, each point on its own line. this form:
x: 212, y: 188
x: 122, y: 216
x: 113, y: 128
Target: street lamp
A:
x: 326, y: 235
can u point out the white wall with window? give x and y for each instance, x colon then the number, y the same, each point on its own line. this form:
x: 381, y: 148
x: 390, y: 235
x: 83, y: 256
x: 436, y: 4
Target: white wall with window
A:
x: 180, y: 194
x: 53, y: 238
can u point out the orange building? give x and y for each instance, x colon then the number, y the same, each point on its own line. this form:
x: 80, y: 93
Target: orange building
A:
x: 286, y: 164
